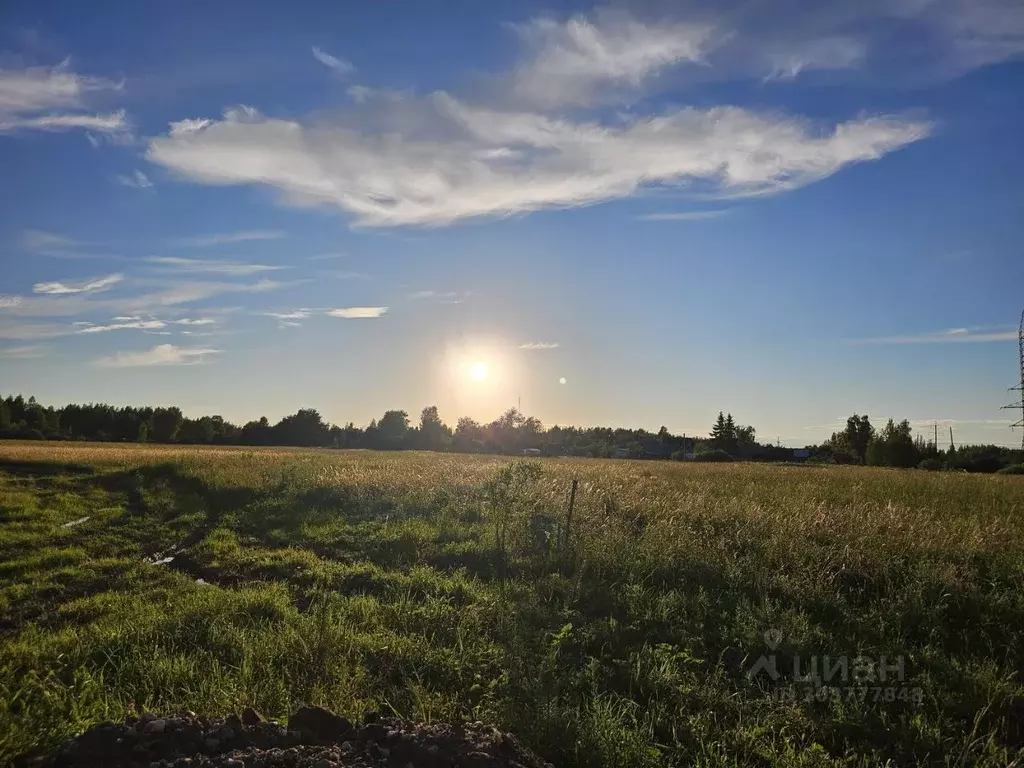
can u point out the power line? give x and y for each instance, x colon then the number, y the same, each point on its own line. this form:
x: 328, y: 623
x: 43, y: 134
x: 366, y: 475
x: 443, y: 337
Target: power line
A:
x: 1020, y: 385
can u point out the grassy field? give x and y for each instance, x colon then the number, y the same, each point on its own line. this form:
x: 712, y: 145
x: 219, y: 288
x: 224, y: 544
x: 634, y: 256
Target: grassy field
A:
x: 676, y: 624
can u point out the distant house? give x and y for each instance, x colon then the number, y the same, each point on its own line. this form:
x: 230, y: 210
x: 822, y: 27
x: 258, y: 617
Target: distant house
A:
x: 653, y: 448
x: 531, y: 451
x: 801, y: 453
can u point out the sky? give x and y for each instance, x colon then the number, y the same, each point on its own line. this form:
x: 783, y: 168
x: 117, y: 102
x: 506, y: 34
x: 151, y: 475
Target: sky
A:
x: 634, y: 214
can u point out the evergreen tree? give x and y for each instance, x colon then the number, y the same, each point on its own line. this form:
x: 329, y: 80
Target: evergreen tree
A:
x: 718, y: 433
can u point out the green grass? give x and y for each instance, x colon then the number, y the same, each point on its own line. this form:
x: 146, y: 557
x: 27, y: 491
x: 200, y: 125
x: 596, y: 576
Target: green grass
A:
x: 362, y: 580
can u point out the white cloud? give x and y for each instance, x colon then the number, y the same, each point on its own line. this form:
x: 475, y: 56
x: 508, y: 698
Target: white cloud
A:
x: 530, y: 142
x: 197, y: 321
x: 359, y: 93
x: 527, y: 146
x: 978, y: 32
x: 223, y: 238
x: 537, y: 345
x: 111, y: 123
x: 340, y: 66
x: 9, y: 301
x: 58, y: 246
x: 139, y: 180
x: 352, y: 313
x: 581, y: 60
x: 162, y: 354
x: 22, y: 353
x: 683, y: 215
x: 289, y: 324
x: 140, y: 325
x: 39, y: 98
x: 428, y: 294
x: 297, y: 314
x: 825, y: 53
x: 411, y: 179
x: 30, y: 331
x: 952, y: 335
x: 168, y: 295
x: 37, y: 240
x: 181, y: 127
x: 210, y: 265
x: 96, y: 284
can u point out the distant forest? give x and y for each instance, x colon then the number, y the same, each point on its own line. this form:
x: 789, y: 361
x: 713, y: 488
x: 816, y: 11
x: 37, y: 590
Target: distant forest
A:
x: 511, y: 433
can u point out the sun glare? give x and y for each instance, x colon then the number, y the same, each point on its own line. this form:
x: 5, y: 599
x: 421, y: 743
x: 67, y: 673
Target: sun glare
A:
x: 478, y: 371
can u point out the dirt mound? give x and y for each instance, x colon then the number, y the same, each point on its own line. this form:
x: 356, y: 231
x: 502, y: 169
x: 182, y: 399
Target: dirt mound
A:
x: 313, y: 738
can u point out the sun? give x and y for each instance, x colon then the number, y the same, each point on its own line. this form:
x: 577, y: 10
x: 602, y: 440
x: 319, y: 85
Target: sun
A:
x: 478, y: 371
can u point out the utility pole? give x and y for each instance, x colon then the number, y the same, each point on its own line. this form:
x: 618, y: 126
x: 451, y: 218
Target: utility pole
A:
x: 952, y: 448
x: 1020, y: 385
x: 935, y: 440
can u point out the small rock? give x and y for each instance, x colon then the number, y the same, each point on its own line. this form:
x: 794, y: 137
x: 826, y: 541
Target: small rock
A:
x: 232, y: 763
x: 374, y: 732
x: 251, y: 717
x: 324, y: 764
x: 320, y: 723
x: 211, y: 743
x: 155, y: 726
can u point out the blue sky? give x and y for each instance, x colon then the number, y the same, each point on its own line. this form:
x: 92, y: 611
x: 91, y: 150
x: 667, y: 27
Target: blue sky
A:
x: 679, y: 208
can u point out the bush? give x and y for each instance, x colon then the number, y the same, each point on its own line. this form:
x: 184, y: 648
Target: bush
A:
x: 932, y: 464
x: 716, y: 455
x: 1013, y: 469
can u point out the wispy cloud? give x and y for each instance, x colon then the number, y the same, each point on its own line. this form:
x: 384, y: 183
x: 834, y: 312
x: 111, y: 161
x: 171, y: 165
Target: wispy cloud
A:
x: 559, y: 163
x: 340, y: 66
x: 584, y: 59
x: 167, y: 295
x: 683, y: 215
x: 341, y: 274
x: 60, y: 246
x: 194, y: 321
x: 138, y: 180
x: 22, y: 353
x: 140, y: 325
x: 428, y: 294
x: 9, y: 301
x: 52, y: 99
x: 537, y: 345
x: 162, y: 354
x: 353, y: 313
x: 38, y: 240
x: 32, y: 331
x: 532, y: 142
x: 950, y: 336
x: 295, y: 314
x: 89, y: 286
x: 223, y: 238
x: 214, y: 266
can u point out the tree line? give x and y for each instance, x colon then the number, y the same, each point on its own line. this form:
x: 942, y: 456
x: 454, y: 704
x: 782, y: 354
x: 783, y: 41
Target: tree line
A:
x: 512, y: 432
x: 894, y: 445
